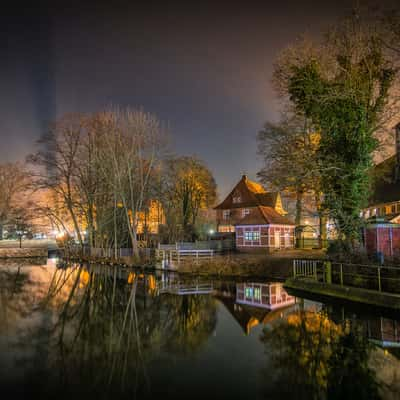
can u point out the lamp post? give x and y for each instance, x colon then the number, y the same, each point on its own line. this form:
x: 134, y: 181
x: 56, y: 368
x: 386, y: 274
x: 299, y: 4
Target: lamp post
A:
x: 19, y: 234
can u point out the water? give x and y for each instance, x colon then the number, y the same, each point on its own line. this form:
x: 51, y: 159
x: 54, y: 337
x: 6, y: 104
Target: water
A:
x: 84, y: 332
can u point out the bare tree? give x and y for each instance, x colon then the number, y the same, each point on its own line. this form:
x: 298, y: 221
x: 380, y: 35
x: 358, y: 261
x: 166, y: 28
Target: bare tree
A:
x: 56, y: 166
x: 188, y: 188
x: 13, y: 182
x: 131, y: 150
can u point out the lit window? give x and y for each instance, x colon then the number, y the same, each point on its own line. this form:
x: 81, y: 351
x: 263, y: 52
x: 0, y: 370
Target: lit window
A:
x: 257, y: 293
x: 252, y: 236
x: 226, y: 214
x: 249, y: 292
x: 245, y: 211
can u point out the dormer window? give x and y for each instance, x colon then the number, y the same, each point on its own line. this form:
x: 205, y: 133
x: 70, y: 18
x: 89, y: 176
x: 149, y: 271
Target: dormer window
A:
x: 245, y: 211
x: 226, y: 214
x: 236, y: 199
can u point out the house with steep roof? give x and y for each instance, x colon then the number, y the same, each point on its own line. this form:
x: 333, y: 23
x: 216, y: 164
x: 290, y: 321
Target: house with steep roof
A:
x: 256, y: 217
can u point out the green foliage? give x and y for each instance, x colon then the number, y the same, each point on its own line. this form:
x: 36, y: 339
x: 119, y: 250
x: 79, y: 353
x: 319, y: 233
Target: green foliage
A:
x: 187, y: 189
x: 346, y: 105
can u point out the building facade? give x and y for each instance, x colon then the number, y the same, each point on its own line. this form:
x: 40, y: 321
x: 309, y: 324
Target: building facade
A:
x: 256, y: 217
x: 385, y: 197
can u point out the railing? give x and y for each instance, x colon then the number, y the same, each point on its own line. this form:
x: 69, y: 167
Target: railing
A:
x: 186, y: 289
x: 372, y: 277
x: 99, y: 252
x: 173, y: 257
x: 216, y: 245
x: 305, y: 268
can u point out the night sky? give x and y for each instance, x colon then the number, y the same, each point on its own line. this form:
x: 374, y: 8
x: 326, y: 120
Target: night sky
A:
x: 204, y: 69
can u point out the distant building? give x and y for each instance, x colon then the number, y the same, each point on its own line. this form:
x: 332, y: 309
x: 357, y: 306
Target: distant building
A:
x: 385, y: 197
x: 256, y: 216
x: 150, y: 220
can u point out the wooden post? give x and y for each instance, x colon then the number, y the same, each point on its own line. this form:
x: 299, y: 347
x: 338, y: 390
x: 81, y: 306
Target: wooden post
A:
x: 315, y: 270
x: 341, y: 274
x: 379, y: 279
x: 294, y: 268
x: 328, y: 272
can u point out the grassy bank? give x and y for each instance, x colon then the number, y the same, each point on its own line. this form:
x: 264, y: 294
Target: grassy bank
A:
x: 242, y: 265
x: 250, y: 265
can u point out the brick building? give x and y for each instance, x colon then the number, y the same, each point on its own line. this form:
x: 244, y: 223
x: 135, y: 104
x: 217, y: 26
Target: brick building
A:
x: 256, y: 216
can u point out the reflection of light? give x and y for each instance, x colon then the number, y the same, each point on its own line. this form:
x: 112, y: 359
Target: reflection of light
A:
x: 211, y: 231
x: 52, y: 261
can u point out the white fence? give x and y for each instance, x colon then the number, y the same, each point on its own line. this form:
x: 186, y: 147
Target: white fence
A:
x: 305, y: 268
x: 171, y: 258
x: 99, y: 252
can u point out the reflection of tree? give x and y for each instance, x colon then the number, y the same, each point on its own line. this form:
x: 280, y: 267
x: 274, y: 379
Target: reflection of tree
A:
x: 107, y: 327
x: 190, y: 322
x: 315, y: 358
x: 11, y: 287
x: 349, y: 374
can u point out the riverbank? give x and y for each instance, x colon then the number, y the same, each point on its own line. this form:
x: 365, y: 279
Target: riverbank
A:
x: 29, y: 248
x: 23, y: 253
x: 278, y: 265
x: 348, y: 293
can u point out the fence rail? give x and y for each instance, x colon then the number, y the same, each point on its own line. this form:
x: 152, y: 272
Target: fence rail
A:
x: 171, y: 258
x: 185, y: 289
x: 99, y: 252
x: 372, y: 277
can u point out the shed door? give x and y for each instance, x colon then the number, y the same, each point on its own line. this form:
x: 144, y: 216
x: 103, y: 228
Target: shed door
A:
x: 277, y: 238
x: 287, y: 240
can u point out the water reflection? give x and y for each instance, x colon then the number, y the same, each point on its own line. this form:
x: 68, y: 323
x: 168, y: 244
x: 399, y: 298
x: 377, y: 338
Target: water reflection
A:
x: 81, y: 330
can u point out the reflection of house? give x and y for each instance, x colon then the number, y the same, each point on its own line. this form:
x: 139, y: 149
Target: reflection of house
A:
x: 265, y: 295
x: 256, y: 216
x: 253, y: 310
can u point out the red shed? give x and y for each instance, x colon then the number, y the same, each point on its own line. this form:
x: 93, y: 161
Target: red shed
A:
x: 264, y: 228
x: 382, y: 237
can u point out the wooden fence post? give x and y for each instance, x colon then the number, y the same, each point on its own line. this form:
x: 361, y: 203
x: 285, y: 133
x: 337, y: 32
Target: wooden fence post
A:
x: 341, y: 274
x: 294, y: 268
x: 315, y: 270
x: 379, y: 279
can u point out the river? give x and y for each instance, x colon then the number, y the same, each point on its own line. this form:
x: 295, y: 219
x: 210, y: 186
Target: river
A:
x: 77, y: 331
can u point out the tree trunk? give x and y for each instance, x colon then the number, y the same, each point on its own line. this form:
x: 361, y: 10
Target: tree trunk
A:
x: 299, y: 207
x: 322, y: 229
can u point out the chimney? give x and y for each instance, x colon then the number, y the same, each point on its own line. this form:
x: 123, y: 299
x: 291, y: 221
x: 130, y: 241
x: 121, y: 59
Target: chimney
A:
x: 397, y: 138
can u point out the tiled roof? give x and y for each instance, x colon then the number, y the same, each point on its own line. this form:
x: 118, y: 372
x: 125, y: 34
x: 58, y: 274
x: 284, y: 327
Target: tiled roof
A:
x: 267, y: 199
x: 254, y: 187
x: 252, y: 193
x: 264, y: 216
